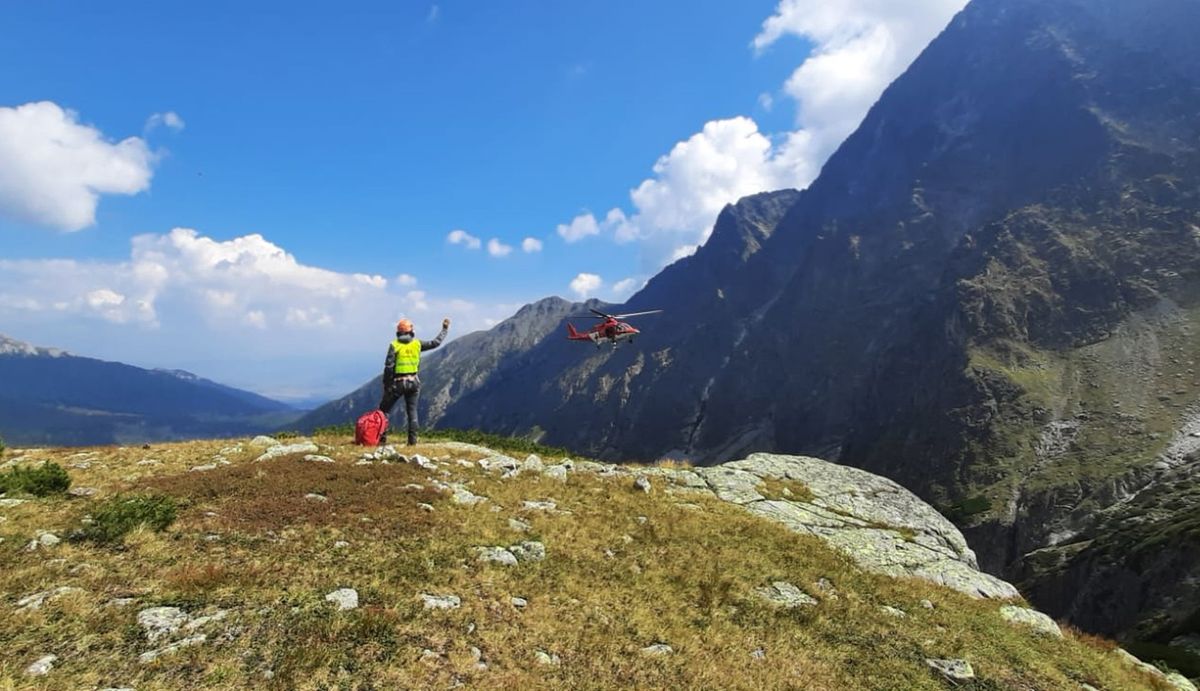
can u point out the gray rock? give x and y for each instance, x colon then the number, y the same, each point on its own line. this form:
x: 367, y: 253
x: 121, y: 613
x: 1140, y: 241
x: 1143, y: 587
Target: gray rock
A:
x: 341, y: 544
x: 152, y: 655
x: 42, y: 666
x: 732, y: 484
x: 424, y: 462
x: 201, y: 622
x: 882, y: 526
x: 954, y: 670
x: 8, y: 503
x: 657, y: 650
x: 499, y: 462
x: 529, y: 551
x: 35, y: 601
x: 263, y: 442
x: 1032, y: 618
x: 894, y: 611
x: 519, y: 525
x: 343, y: 598
x: 545, y: 658
x: 161, y: 622
x: 319, y: 498
x: 426, y: 507
x: 441, y: 601
x: 642, y: 484
x: 496, y: 555
x: 317, y: 458
x: 556, y: 472
x: 280, y: 450
x: 202, y: 468
x: 545, y: 505
x: 519, y: 602
x: 82, y: 491
x: 461, y: 495
x: 43, y: 540
x: 927, y: 604
x: 784, y: 594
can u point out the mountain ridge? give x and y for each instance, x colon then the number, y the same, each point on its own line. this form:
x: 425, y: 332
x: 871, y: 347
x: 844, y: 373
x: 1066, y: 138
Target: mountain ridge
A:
x: 51, y: 396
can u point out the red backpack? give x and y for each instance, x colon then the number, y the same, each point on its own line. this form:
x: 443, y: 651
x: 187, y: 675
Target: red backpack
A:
x: 370, y: 428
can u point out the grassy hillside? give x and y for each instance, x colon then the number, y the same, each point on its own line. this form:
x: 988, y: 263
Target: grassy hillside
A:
x: 248, y: 552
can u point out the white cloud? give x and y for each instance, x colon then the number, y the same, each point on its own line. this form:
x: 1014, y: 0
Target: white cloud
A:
x: 624, y: 288
x: 580, y: 227
x: 244, y: 308
x: 858, y: 48
x: 531, y: 245
x: 585, y: 285
x: 498, y: 249
x: 169, y: 119
x: 406, y: 280
x: 415, y: 300
x: 725, y: 161
x: 53, y: 168
x: 255, y: 318
x: 462, y: 237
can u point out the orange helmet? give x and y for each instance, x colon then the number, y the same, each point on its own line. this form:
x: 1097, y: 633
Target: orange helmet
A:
x: 404, y: 326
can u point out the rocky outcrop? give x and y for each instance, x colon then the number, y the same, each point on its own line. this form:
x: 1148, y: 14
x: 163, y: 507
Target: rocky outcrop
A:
x: 882, y: 526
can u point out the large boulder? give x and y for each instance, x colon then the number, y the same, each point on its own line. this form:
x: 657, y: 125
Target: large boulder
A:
x: 882, y: 526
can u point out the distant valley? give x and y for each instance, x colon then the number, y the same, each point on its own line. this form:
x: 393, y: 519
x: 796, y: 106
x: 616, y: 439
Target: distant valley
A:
x: 51, y: 397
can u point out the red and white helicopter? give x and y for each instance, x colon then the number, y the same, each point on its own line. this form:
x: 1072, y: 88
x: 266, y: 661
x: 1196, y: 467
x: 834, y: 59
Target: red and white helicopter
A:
x: 610, y: 329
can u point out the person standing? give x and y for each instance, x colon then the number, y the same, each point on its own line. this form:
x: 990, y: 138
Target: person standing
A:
x: 400, y: 373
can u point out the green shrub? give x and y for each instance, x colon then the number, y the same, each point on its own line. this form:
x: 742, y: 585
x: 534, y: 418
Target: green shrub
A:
x: 40, y: 481
x: 342, y: 430
x: 119, y: 516
x: 494, y: 441
x: 965, y: 509
x: 287, y: 434
x: 1166, y: 657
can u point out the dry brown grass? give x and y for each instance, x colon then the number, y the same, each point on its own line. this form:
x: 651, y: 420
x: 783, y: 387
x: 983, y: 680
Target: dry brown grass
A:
x: 257, y: 497
x: 624, y: 570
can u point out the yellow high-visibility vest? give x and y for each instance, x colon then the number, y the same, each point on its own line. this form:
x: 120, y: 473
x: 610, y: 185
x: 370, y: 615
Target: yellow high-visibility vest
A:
x: 408, y: 356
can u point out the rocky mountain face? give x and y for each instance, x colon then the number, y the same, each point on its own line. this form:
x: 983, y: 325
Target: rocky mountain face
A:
x: 990, y: 294
x: 48, y: 396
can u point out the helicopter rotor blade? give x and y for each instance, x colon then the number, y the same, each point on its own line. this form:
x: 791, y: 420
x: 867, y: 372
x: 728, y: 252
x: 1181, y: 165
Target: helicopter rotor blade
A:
x: 635, y: 314
x: 600, y: 314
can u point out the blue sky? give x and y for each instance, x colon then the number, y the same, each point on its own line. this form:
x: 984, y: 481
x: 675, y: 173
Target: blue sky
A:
x: 318, y: 156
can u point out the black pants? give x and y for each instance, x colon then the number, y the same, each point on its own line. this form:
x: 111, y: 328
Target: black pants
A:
x: 408, y: 388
